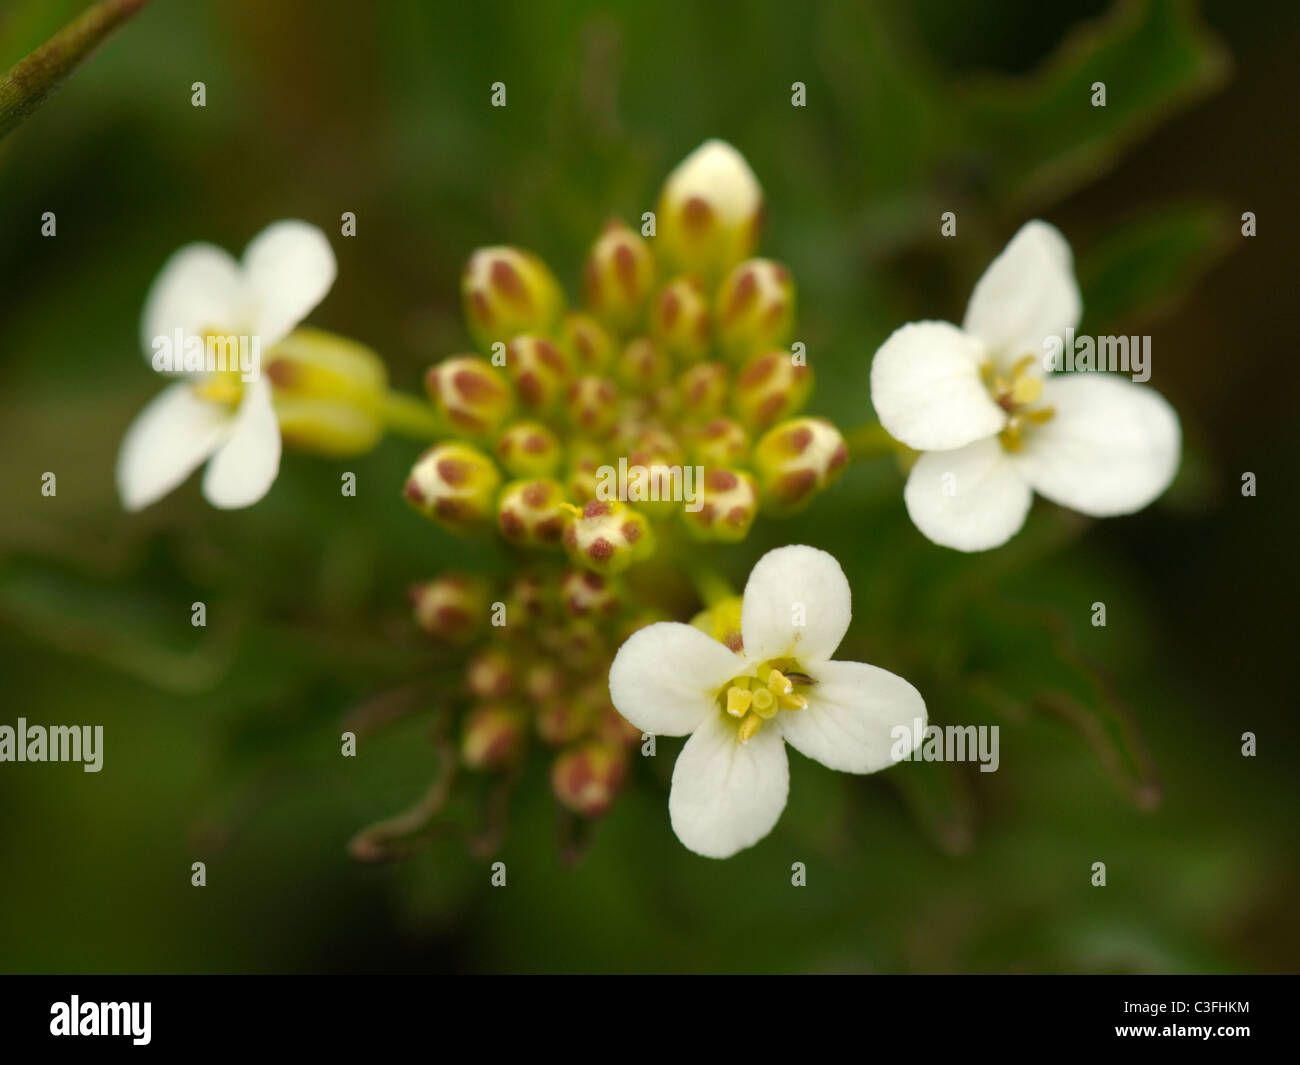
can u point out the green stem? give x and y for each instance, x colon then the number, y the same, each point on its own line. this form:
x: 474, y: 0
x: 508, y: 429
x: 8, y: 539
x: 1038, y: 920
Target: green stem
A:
x: 872, y: 442
x: 412, y: 417
x: 30, y: 81
x: 710, y: 585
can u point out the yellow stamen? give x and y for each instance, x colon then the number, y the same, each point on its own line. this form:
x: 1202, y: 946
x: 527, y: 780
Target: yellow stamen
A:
x: 748, y: 727
x: 777, y: 683
x: 738, y: 700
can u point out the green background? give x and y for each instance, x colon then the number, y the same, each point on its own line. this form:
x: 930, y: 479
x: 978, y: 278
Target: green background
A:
x: 1118, y: 744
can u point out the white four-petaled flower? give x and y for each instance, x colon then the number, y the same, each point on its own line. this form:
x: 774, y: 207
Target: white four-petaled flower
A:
x: 740, y: 708
x: 994, y: 428
x: 218, y: 417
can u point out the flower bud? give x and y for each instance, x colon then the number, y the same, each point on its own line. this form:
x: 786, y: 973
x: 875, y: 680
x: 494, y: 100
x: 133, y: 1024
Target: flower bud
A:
x: 611, y: 726
x: 533, y: 513
x: 657, y: 406
x: 529, y: 602
x: 587, y: 777
x: 704, y: 389
x: 722, y: 622
x: 585, y: 460
x: 452, y: 608
x: 493, y: 737
x: 655, y: 479
x: 589, y: 346
x: 755, y: 309
x: 770, y: 388
x: 644, y: 366
x: 508, y: 291
x: 679, y: 319
x: 591, y: 405
x: 538, y: 369
x: 608, y: 536
x: 728, y: 505
x: 719, y: 442
x: 455, y: 484
x: 588, y: 594
x: 710, y: 211
x: 471, y: 394
x: 581, y: 646
x: 329, y: 393
x: 562, y: 721
x: 618, y: 277
x: 796, y: 460
x: 544, y: 681
x: 490, y: 675
x: 529, y: 449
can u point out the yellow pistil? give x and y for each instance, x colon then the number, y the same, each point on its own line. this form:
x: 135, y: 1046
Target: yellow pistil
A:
x: 224, y: 386
x: 764, y: 704
x: 1014, y: 395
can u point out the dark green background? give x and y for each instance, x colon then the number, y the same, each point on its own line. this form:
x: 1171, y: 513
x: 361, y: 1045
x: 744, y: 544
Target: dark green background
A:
x: 1119, y: 745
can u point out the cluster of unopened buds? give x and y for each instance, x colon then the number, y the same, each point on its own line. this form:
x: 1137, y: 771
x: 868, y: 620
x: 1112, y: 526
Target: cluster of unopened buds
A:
x: 662, y: 413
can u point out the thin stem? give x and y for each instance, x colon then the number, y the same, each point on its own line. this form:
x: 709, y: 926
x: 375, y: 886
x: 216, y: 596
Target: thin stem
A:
x: 872, y: 442
x: 710, y: 585
x: 412, y: 417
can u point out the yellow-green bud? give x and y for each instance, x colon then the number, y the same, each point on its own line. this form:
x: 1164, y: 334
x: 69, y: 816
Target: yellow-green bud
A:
x: 644, y: 366
x: 490, y: 675
x: 591, y: 405
x: 710, y: 211
x: 796, y: 460
x: 533, y: 513
x: 329, y: 392
x: 588, y: 594
x: 652, y: 458
x: 587, y: 777
x: 452, y: 608
x: 722, y: 622
x: 563, y: 720
x: 471, y: 394
x: 529, y: 601
x: 755, y: 309
x: 455, y: 484
x: 587, y: 342
x: 703, y: 389
x: 529, y: 449
x: 493, y: 737
x: 508, y: 291
x: 680, y: 319
x: 770, y: 388
x: 618, y: 277
x: 719, y: 442
x: 539, y: 370
x: 729, y: 504
x: 608, y: 536
x: 585, y: 458
x: 544, y: 681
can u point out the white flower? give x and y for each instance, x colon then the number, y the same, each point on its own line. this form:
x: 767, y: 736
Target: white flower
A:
x: 201, y: 292
x: 740, y: 708
x: 995, y: 430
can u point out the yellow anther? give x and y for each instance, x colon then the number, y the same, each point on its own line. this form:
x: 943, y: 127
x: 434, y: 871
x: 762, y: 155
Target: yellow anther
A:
x: 792, y: 702
x: 1022, y: 364
x: 738, y: 700
x: 223, y: 387
x: 778, y: 684
x: 571, y: 508
x: 748, y: 727
x: 1041, y: 415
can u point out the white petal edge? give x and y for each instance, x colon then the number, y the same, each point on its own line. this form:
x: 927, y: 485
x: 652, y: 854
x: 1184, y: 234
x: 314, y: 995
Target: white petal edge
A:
x: 728, y: 795
x: 795, y: 582
x: 289, y: 267
x: 245, y: 466
x: 852, y: 712
x: 980, y: 506
x: 166, y: 442
x: 1027, y: 293
x: 199, y: 288
x: 927, y: 389
x: 1112, y: 447
x: 666, y: 677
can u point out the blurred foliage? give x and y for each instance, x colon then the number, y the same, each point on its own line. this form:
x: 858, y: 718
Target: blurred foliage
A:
x: 1119, y: 744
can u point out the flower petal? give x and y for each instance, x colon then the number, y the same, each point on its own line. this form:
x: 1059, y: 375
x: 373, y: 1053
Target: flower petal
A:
x: 1112, y: 447
x: 795, y: 584
x: 244, y: 468
x: 971, y: 499
x: 168, y: 440
x: 289, y: 267
x: 666, y: 677
x: 852, y: 711
x: 927, y: 389
x: 199, y: 288
x: 727, y: 795
x: 1028, y: 293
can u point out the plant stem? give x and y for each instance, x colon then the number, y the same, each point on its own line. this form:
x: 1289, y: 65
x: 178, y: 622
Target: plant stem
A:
x: 412, y: 417
x: 872, y: 442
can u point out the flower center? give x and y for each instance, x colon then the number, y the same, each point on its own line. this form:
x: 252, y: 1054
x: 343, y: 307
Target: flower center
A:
x: 1016, y: 395
x: 221, y: 386
x: 753, y: 700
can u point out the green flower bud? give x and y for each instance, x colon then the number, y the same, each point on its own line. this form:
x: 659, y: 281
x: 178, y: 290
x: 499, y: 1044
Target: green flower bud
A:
x: 508, y: 291
x: 644, y: 366
x: 471, y: 394
x: 719, y: 442
x: 539, y: 370
x: 562, y: 721
x: 680, y: 319
x: 591, y: 405
x: 529, y: 602
x: 796, y: 460
x: 618, y: 277
x: 722, y: 622
x: 490, y: 675
x: 587, y: 342
x: 729, y: 504
x: 533, y: 513
x: 657, y: 406
x: 771, y: 388
x: 588, y: 594
x: 585, y: 458
x: 587, y: 777
x: 455, y: 484
x: 704, y: 389
x: 329, y: 393
x: 653, y: 459
x: 493, y: 737
x: 452, y: 608
x: 710, y: 211
x: 755, y: 309
x: 581, y: 646
x: 607, y: 537
x: 544, y: 681
x: 529, y: 449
